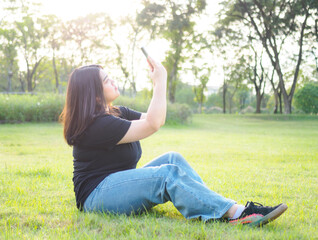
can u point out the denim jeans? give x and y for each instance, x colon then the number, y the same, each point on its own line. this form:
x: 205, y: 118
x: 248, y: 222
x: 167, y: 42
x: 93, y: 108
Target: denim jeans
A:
x: 167, y: 178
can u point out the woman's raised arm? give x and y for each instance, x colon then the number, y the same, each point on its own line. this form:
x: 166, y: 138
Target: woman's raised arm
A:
x: 156, y: 114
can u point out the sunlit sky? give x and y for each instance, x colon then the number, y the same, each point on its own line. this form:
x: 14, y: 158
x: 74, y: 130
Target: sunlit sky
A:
x: 70, y: 9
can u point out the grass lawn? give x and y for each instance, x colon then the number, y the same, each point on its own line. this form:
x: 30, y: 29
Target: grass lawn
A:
x: 261, y: 158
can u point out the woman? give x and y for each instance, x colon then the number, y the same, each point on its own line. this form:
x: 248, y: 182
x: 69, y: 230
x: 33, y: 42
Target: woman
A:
x: 106, y: 150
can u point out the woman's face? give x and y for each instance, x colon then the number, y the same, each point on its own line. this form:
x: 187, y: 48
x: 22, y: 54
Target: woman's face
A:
x: 110, y: 89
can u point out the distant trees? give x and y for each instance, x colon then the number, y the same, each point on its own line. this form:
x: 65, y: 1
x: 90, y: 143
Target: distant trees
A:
x: 31, y: 35
x: 257, y: 43
x: 257, y: 77
x: 172, y: 20
x: 276, y: 24
x: 9, y: 50
x: 202, y: 74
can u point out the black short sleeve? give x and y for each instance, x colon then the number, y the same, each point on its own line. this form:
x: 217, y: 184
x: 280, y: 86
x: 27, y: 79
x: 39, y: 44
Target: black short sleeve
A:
x: 129, y: 114
x: 106, y: 132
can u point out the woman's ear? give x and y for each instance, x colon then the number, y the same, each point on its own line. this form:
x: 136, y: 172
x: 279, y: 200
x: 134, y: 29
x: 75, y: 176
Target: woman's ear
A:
x: 98, y: 100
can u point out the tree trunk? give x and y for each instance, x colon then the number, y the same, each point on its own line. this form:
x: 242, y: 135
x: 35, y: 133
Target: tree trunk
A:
x: 30, y: 74
x: 29, y: 81
x: 21, y: 82
x: 287, y: 105
x: 57, y: 84
x: 274, y: 58
x: 133, y: 86
x: 10, y: 74
x: 224, y: 97
x: 133, y: 83
x: 172, y: 78
x: 200, y: 108
x: 280, y: 102
x: 258, y: 101
x: 170, y: 89
x: 276, y: 101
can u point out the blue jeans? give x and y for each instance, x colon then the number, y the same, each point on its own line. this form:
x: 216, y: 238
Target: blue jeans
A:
x: 167, y: 178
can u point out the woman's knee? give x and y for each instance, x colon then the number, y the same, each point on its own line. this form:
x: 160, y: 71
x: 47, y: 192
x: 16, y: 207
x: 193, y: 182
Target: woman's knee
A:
x: 176, y: 158
x: 169, y: 170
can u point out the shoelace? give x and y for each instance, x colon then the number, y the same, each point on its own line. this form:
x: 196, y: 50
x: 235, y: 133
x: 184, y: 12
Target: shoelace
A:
x: 254, y: 203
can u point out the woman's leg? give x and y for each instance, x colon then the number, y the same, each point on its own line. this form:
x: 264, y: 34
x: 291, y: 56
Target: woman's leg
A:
x: 136, y: 190
x: 175, y: 159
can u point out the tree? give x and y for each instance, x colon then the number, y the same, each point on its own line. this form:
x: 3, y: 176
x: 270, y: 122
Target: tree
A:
x: 256, y: 75
x: 277, y: 92
x: 243, y: 95
x: 85, y: 38
x: 31, y: 37
x: 122, y: 60
x: 203, y: 75
x: 275, y: 22
x: 55, y: 41
x: 173, y: 21
x: 235, y: 76
x: 135, y: 35
x: 8, y: 46
x: 214, y: 100
x: 185, y: 94
x: 307, y: 98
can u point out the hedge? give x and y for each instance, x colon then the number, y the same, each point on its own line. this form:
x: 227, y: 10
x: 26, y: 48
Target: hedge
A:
x: 47, y: 108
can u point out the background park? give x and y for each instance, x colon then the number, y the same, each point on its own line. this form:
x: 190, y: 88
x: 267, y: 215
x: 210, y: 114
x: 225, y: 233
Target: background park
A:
x: 243, y: 105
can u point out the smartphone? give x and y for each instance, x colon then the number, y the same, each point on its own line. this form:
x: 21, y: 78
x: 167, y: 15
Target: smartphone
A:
x: 144, y: 52
x: 146, y: 55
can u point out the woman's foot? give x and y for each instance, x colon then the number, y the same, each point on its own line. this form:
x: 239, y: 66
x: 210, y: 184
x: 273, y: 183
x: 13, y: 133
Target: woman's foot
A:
x: 255, y: 214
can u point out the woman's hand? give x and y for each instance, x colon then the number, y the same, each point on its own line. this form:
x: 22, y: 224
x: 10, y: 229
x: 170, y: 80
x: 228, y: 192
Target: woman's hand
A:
x: 156, y: 114
x: 158, y: 73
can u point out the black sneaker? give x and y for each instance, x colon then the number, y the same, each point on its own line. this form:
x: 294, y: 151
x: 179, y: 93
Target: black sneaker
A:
x: 256, y: 214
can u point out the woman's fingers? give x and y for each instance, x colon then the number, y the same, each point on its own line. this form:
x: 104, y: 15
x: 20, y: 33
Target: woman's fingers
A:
x: 152, y: 62
x: 157, y: 70
x: 150, y: 65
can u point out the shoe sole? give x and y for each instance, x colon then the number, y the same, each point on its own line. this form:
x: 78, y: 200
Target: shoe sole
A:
x: 257, y: 220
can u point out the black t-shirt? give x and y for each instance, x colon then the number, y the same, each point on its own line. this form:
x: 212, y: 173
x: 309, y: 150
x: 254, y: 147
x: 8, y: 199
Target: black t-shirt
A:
x: 96, y: 154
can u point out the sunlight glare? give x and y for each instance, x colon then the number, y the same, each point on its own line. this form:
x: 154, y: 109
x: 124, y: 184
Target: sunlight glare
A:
x: 71, y: 9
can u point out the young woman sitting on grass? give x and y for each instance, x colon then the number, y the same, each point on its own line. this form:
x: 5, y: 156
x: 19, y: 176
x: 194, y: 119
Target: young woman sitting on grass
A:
x: 106, y: 150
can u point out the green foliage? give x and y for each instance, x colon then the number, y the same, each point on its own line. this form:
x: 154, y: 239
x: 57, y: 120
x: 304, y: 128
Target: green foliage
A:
x: 248, y: 109
x: 30, y: 108
x: 214, y: 110
x: 185, y: 94
x: 203, y: 75
x: 177, y: 113
x: 171, y: 20
x: 214, y: 100
x: 306, y: 98
x: 48, y: 107
x: 139, y: 103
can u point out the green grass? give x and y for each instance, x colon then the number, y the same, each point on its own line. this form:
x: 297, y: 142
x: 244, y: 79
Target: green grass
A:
x: 245, y: 158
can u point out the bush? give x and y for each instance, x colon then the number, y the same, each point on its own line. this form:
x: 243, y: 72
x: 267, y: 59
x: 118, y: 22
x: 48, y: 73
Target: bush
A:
x: 47, y: 108
x: 176, y: 113
x: 265, y: 110
x: 248, y: 109
x: 306, y: 98
x: 30, y: 108
x: 137, y: 103
x: 214, y: 110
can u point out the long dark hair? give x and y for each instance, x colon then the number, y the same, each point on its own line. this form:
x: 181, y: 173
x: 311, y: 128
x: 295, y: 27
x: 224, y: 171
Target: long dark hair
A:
x: 84, y: 102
